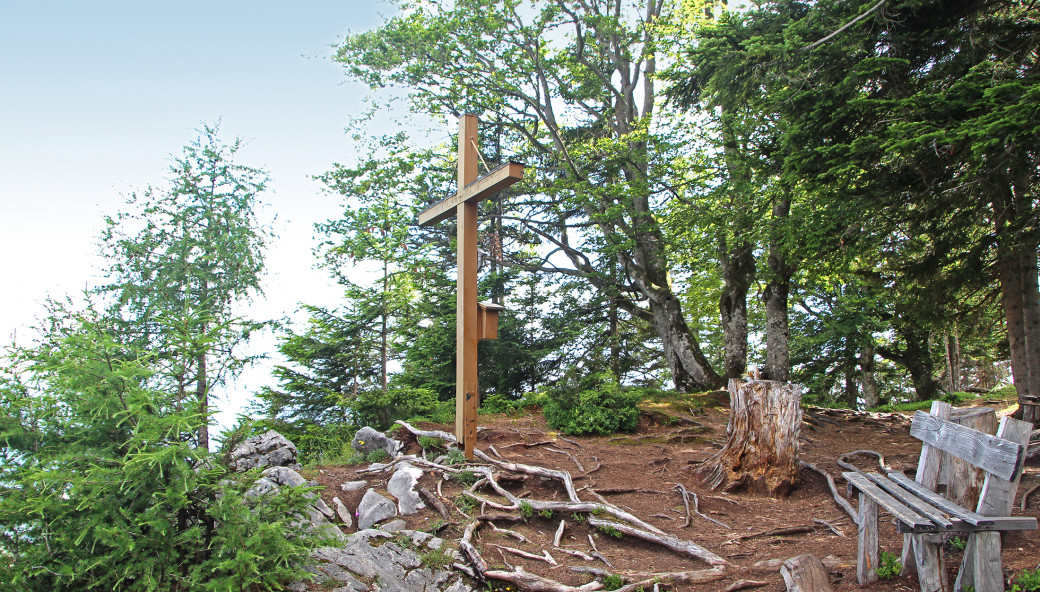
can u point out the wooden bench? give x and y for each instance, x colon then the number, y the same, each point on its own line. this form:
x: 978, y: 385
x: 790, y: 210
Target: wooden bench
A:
x: 923, y: 515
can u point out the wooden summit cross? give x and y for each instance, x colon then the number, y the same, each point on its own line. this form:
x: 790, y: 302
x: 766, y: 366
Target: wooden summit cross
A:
x: 470, y: 324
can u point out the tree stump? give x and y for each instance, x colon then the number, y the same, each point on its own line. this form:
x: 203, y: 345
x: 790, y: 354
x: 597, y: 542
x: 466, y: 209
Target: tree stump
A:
x: 963, y: 482
x: 805, y: 573
x: 761, y: 450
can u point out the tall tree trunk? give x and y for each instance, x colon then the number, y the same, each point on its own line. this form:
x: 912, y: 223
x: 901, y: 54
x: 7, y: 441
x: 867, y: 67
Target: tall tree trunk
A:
x: 953, y: 359
x: 202, y: 395
x: 738, y: 271
x: 1017, y: 245
x: 775, y: 296
x: 1031, y: 317
x: 383, y: 337
x: 691, y: 371
x: 867, y: 364
x: 917, y: 359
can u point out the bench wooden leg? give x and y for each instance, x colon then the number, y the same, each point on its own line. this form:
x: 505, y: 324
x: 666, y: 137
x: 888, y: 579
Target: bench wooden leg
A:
x: 982, y: 569
x: 906, y: 558
x: 930, y: 564
x: 867, y: 557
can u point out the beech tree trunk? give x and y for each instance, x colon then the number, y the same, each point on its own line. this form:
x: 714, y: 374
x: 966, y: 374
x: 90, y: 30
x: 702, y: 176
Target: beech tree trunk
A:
x: 775, y: 296
x: 738, y: 271
x: 761, y: 450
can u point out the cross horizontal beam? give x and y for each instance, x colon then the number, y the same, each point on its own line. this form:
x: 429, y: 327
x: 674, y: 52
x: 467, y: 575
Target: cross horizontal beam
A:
x: 479, y: 190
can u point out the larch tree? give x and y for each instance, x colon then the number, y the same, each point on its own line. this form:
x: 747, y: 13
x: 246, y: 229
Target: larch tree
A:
x: 191, y: 251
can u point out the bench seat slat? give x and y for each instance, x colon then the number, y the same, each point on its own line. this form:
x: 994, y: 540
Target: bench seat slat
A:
x: 914, y: 502
x: 967, y: 516
x: 1000, y: 523
x: 895, y: 507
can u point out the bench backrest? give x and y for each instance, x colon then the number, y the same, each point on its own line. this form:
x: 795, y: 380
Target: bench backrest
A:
x: 1001, y: 457
x: 989, y: 453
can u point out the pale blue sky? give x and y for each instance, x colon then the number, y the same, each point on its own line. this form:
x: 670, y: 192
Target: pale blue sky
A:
x: 95, y: 96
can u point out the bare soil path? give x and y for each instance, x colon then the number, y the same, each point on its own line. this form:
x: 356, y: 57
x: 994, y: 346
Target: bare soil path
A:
x: 640, y: 472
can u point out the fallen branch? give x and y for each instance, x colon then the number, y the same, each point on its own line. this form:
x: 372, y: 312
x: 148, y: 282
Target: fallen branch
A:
x: 530, y: 444
x: 494, y: 451
x: 570, y: 442
x: 435, y: 501
x: 559, y: 533
x: 466, y: 545
x: 744, y: 584
x: 696, y: 508
x: 842, y: 503
x: 668, y: 541
x: 438, y: 434
x: 772, y: 532
x: 574, y: 553
x: 535, y: 583
x: 833, y: 528
x: 545, y: 556
x: 573, y: 458
x: 508, y: 532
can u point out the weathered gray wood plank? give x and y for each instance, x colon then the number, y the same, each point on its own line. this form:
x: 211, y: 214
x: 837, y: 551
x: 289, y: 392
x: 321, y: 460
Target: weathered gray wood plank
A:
x: 1000, y: 523
x: 898, y: 509
x: 867, y: 550
x: 931, y: 566
x: 927, y: 475
x: 965, y: 515
x: 915, y: 503
x: 982, y: 568
x: 993, y: 454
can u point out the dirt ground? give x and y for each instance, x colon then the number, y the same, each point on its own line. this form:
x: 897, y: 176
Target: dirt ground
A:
x: 639, y: 473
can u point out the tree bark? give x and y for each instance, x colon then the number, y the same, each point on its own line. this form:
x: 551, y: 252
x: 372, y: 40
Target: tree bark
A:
x: 775, y: 296
x: 867, y: 364
x: 202, y: 395
x: 738, y: 271
x: 761, y: 450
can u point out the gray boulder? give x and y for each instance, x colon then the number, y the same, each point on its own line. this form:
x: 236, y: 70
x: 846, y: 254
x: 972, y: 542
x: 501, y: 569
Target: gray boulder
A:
x: 368, y: 439
x: 393, y: 561
x: 402, y: 486
x: 269, y: 449
x: 373, y: 509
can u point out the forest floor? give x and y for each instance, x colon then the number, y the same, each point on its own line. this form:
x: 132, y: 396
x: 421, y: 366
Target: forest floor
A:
x: 640, y: 471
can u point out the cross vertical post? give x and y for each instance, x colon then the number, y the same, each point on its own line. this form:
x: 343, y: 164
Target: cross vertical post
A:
x: 463, y: 205
x: 466, y: 389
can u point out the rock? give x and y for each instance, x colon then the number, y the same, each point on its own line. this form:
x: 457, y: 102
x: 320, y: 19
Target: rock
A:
x: 284, y: 476
x: 382, y: 557
x: 402, y: 486
x: 342, y: 512
x: 374, y: 508
x: 269, y: 449
x: 320, y: 505
x: 353, y: 485
x: 394, y: 526
x: 368, y: 439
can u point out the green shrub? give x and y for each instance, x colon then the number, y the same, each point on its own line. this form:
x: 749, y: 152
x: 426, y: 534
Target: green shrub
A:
x: 601, y: 406
x: 889, y: 567
x: 103, y: 488
x: 613, y: 582
x: 1027, y: 580
x: 380, y: 410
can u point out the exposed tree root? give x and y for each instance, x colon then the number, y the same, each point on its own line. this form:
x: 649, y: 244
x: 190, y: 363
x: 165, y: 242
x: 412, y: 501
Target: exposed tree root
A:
x: 842, y: 503
x: 843, y: 460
